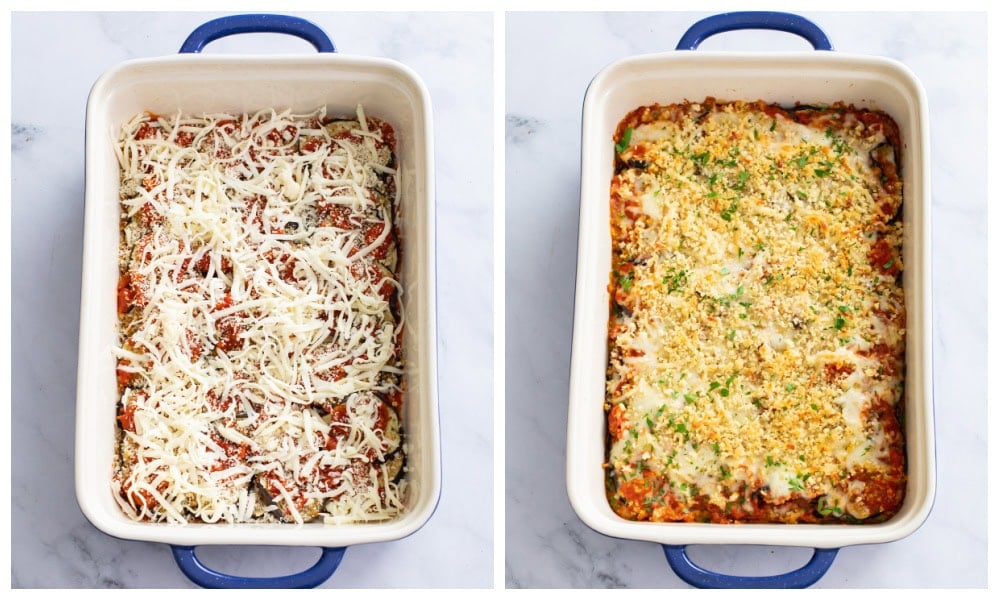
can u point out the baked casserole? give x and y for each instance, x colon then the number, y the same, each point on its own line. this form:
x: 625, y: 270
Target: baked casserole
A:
x: 757, y: 324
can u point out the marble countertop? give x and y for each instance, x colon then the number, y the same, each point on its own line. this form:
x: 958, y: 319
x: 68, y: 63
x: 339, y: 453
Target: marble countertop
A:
x: 547, y: 546
x: 546, y: 78
x: 56, y: 57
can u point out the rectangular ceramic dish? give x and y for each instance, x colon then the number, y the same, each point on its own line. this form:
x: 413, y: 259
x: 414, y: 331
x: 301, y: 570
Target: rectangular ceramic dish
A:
x: 193, y: 84
x: 785, y: 78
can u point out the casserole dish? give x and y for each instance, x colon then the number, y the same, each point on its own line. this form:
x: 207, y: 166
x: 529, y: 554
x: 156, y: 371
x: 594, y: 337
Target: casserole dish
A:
x: 198, y: 84
x: 784, y: 78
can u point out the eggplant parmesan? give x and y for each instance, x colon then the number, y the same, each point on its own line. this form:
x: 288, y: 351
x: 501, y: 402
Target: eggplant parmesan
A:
x: 259, y: 365
x: 757, y: 321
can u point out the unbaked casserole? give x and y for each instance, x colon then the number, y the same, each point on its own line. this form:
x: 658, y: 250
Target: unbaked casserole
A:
x: 756, y: 336
x: 260, y: 356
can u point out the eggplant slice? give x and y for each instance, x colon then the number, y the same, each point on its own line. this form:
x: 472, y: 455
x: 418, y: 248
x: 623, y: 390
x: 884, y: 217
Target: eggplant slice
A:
x: 343, y: 129
x: 394, y: 464
x: 362, y: 412
x: 269, y: 496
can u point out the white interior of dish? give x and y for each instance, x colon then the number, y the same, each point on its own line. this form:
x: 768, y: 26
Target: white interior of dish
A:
x: 810, y: 78
x: 194, y: 84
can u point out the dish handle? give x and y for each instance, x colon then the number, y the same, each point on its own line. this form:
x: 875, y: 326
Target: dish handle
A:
x: 197, y: 572
x: 803, y: 577
x: 777, y: 21
x: 257, y: 23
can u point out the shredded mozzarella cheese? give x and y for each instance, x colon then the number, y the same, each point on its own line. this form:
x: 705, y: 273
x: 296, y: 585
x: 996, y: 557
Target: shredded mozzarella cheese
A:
x: 260, y: 364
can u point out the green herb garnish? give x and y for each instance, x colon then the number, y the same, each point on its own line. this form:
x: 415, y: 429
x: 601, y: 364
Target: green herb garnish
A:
x: 674, y: 280
x: 742, y: 177
x: 626, y: 138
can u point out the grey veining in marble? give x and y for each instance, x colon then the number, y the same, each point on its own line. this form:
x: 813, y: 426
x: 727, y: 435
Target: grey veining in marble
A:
x: 547, y: 546
x: 56, y: 57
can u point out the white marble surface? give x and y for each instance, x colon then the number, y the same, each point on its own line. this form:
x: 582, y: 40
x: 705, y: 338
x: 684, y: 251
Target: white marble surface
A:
x: 547, y: 76
x: 56, y: 57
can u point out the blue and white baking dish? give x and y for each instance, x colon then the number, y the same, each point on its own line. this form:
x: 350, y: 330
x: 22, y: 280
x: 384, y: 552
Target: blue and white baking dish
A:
x: 194, y: 83
x: 817, y: 77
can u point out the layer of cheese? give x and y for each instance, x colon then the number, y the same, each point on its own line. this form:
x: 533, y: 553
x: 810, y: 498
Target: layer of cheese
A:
x: 757, y: 330
x: 259, y: 363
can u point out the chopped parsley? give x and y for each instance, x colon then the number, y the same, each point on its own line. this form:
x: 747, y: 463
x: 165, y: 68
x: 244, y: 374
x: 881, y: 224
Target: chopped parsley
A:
x: 742, y: 178
x: 826, y: 509
x: 826, y: 170
x: 674, y: 279
x: 626, y: 138
x: 727, y: 213
x: 701, y: 159
x: 625, y: 281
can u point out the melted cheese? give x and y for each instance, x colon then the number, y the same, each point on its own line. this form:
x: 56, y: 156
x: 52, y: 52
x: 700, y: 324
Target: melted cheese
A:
x: 757, y: 334
x: 258, y: 260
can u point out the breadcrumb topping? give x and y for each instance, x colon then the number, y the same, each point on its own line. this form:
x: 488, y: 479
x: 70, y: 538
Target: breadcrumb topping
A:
x: 757, y: 325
